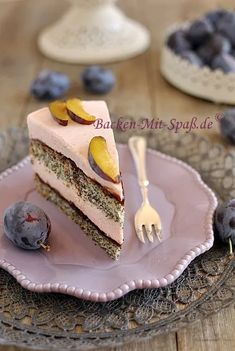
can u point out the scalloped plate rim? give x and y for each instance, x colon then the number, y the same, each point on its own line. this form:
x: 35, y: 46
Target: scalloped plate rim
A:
x: 132, y: 284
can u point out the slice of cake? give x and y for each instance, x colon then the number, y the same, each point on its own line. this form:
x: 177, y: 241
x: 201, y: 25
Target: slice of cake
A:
x: 77, y: 168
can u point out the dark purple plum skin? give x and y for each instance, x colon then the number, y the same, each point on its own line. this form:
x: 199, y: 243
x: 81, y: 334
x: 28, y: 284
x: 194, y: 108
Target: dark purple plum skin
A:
x: 199, y: 31
x: 226, y: 26
x: 192, y: 57
x: 224, y: 62
x: 78, y: 119
x: 209, y: 40
x: 225, y: 221
x: 62, y: 122
x: 233, y: 53
x: 98, y: 80
x: 227, y: 126
x: 215, y: 16
x: 49, y: 85
x: 214, y: 46
x: 26, y: 225
x: 178, y: 42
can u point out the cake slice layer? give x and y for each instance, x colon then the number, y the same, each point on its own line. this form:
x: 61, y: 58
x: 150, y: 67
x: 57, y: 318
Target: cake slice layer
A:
x: 71, y: 167
x: 89, y: 197
x: 73, y: 140
x: 89, y: 228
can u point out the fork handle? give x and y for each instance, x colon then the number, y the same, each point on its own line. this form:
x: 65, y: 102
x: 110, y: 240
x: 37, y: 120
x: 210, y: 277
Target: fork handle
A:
x: 137, y: 147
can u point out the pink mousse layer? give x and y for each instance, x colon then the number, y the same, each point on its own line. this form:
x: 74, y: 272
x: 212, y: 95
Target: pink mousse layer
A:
x: 73, y: 140
x: 108, y: 226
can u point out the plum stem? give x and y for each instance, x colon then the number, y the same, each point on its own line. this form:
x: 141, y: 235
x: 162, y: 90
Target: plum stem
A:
x: 231, y: 253
x: 45, y: 247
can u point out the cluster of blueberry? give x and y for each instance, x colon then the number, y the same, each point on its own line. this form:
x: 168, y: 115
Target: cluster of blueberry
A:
x: 51, y: 85
x: 208, y: 41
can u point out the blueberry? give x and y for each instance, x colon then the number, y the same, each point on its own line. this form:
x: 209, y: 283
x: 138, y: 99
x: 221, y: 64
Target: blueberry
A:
x: 98, y: 80
x: 49, y: 85
x: 192, y: 57
x: 225, y: 221
x: 26, y: 225
x: 226, y: 26
x: 215, y: 45
x: 225, y: 62
x: 178, y: 42
x: 227, y: 125
x: 199, y: 31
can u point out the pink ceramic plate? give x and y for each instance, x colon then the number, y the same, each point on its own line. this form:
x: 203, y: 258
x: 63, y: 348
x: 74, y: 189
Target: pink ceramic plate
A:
x: 75, y: 266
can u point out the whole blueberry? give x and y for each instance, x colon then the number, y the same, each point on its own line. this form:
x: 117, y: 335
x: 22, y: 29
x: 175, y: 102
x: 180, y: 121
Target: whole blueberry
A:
x: 215, y: 16
x: 227, y: 125
x: 225, y: 221
x: 178, y: 42
x: 192, y: 57
x: 224, y: 62
x: 98, y: 80
x: 226, y: 26
x: 50, y: 85
x: 215, y: 45
x: 26, y: 225
x: 199, y: 31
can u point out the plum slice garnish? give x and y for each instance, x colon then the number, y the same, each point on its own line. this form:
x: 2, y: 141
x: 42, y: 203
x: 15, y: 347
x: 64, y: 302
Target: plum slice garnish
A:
x: 101, y: 161
x: 77, y: 113
x: 59, y: 112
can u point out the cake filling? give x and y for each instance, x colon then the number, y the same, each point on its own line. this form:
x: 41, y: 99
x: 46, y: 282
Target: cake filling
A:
x: 88, y: 196
x: 89, y: 228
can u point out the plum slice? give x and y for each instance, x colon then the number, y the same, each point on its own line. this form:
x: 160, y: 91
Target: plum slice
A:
x: 59, y: 112
x: 77, y: 113
x: 101, y: 161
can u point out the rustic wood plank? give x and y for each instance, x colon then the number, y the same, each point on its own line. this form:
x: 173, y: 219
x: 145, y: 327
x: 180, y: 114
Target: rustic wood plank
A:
x: 159, y: 343
x: 20, y: 22
x: 13, y: 72
x: 212, y: 334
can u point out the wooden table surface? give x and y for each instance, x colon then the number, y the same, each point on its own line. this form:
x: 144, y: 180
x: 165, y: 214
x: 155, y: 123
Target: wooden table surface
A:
x: 140, y: 91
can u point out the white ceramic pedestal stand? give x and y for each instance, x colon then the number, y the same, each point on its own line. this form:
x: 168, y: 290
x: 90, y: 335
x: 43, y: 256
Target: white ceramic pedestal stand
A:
x: 93, y: 31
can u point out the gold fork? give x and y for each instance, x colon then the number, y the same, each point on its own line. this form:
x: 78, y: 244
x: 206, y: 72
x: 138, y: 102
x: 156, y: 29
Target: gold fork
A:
x: 146, y: 217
